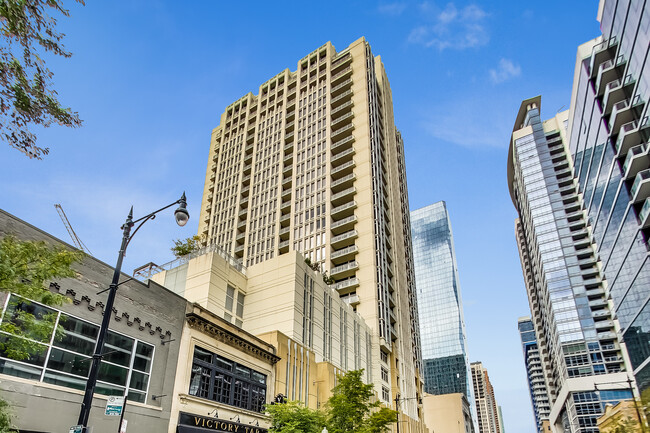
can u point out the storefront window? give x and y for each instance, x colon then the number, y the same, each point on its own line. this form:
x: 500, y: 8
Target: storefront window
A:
x: 65, y: 359
x: 217, y: 378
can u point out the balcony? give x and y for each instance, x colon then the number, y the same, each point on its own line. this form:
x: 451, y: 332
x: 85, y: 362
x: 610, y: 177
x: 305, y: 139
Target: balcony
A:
x: 344, y: 254
x: 343, y: 196
x: 283, y: 247
x: 348, y: 104
x: 343, y: 97
x: 341, y: 143
x: 352, y: 299
x: 347, y: 237
x: 342, y: 170
x: 289, y: 126
x: 644, y: 214
x: 288, y: 147
x: 285, y: 206
x: 344, y: 210
x: 288, y: 159
x: 342, y: 74
x: 631, y: 134
x: 288, y: 137
x: 616, y: 91
x: 598, y: 303
x: 641, y: 186
x: 636, y: 160
x: 243, y: 213
x: 343, y: 225
x: 608, y: 71
x: 284, y: 233
x: 601, y: 52
x: 291, y: 115
x: 250, y: 139
x: 621, y: 114
x: 239, y: 249
x: 286, y: 181
x: 286, y: 194
x: 341, y: 87
x: 240, y: 238
x: 341, y: 60
x: 247, y: 169
x: 344, y: 182
x: 342, y: 157
x: 285, y: 220
x: 346, y: 286
x: 241, y: 225
x: 604, y: 324
x: 338, y: 133
x: 243, y: 202
x: 607, y: 335
x: 342, y: 119
x: 345, y: 270
x: 286, y: 172
x: 245, y: 190
x: 245, y: 180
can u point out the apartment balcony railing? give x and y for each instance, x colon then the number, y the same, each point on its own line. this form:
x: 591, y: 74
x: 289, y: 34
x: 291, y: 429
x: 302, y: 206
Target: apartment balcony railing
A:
x: 346, y: 284
x: 343, y: 97
x: 337, y: 145
x: 342, y: 107
x: 344, y: 210
x: 352, y: 299
x: 343, y: 224
x: 641, y: 186
x: 636, y: 160
x: 347, y: 268
x: 344, y: 253
x: 346, y: 155
x: 621, y: 114
x: 644, y: 214
x: 341, y: 87
x: 342, y: 170
x: 347, y: 236
x: 345, y: 72
x: 600, y: 53
x: 345, y: 181
x: 338, y: 132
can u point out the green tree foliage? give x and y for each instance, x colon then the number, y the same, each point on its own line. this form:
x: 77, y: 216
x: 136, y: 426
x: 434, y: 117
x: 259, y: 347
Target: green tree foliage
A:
x: 183, y: 247
x: 27, y: 34
x: 350, y: 409
x: 26, y: 268
x: 5, y: 418
x: 294, y: 417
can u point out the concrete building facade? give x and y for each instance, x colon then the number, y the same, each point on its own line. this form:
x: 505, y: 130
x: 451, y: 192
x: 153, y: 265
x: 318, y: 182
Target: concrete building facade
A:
x: 487, y: 409
x: 448, y: 413
x: 313, y: 163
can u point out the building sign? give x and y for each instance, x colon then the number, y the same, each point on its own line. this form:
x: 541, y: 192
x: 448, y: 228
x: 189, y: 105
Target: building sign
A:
x: 190, y: 423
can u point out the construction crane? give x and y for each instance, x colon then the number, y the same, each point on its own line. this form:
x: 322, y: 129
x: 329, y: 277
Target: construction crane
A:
x: 68, y: 227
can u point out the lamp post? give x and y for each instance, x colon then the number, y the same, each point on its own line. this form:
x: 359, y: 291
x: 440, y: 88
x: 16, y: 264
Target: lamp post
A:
x: 398, y: 400
x: 181, y: 216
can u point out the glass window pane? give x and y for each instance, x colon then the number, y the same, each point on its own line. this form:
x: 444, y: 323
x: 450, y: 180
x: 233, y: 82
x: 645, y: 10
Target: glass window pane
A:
x: 224, y: 364
x: 107, y: 389
x: 69, y: 362
x: 143, y: 355
x: 19, y: 370
x: 140, y: 397
x: 18, y: 307
x: 118, y: 349
x: 61, y: 379
x: 112, y: 373
x: 202, y: 355
x: 243, y: 371
x: 36, y: 358
x: 139, y: 381
x: 79, y: 336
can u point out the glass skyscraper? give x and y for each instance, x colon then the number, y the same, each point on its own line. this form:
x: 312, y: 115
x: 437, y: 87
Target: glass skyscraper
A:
x: 442, y: 328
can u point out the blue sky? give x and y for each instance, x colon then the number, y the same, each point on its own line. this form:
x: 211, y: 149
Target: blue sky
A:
x: 150, y: 79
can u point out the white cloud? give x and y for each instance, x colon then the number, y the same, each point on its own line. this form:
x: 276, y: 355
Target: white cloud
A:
x: 451, y: 27
x: 393, y: 9
x: 504, y: 71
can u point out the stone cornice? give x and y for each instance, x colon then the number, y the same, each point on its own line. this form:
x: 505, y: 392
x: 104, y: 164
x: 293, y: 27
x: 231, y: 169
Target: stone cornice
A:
x: 199, y: 323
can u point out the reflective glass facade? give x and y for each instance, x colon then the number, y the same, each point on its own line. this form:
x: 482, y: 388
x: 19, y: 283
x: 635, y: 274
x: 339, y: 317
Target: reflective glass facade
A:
x: 609, y: 143
x: 567, y: 294
x: 442, y: 328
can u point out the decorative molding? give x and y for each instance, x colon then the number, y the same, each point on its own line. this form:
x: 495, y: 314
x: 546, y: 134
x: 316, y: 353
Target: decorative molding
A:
x: 117, y: 315
x: 199, y: 323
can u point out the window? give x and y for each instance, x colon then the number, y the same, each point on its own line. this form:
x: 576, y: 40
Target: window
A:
x: 220, y: 379
x: 66, y: 360
x: 384, y: 374
x: 385, y: 393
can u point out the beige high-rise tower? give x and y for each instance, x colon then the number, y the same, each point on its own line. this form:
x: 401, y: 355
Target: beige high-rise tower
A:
x: 314, y: 163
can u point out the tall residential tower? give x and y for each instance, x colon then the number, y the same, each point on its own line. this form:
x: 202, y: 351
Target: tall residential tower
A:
x: 535, y: 373
x: 487, y: 408
x: 581, y: 356
x: 313, y: 163
x: 442, y: 328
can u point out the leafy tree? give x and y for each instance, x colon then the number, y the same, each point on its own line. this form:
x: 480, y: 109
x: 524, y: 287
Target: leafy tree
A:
x: 294, y: 417
x: 5, y: 418
x: 183, y: 247
x: 27, y: 33
x: 25, y: 269
x: 350, y: 409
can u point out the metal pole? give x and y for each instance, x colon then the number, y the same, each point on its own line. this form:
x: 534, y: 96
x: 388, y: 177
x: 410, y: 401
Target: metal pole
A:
x: 636, y: 406
x: 119, y: 427
x: 103, y: 330
x: 397, y: 410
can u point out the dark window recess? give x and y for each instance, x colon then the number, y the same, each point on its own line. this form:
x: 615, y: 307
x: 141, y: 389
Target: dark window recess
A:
x: 220, y: 379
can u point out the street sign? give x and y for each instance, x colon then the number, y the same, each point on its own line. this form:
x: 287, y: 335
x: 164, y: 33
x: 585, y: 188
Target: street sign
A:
x: 114, y: 405
x: 76, y: 429
x: 123, y: 426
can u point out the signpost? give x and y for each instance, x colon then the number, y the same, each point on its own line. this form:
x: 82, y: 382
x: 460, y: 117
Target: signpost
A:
x: 76, y: 429
x: 114, y: 405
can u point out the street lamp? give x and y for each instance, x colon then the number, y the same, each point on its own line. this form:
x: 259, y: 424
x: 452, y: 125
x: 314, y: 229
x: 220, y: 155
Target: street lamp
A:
x: 182, y: 216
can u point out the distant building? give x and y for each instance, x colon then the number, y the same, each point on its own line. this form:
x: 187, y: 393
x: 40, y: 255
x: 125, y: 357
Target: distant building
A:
x: 486, y: 404
x: 447, y: 413
x: 442, y: 327
x: 534, y: 372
